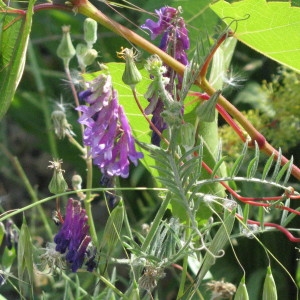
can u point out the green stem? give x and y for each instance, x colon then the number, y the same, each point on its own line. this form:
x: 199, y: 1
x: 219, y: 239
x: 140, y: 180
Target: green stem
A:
x: 113, y: 288
x: 156, y: 222
x: 89, y: 199
x: 44, y: 102
x: 185, y: 265
x: 77, y: 145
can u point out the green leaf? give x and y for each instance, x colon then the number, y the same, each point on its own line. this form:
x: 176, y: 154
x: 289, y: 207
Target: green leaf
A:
x: 268, y: 166
x: 271, y: 28
x: 277, y: 166
x: 238, y: 163
x: 269, y: 289
x: 286, y: 168
x: 25, y: 258
x: 252, y: 167
x: 207, y: 110
x: 15, y: 30
x: 241, y: 292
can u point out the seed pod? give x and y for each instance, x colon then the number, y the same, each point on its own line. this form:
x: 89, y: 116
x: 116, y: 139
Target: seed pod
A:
x: 269, y: 291
x: 131, y: 75
x: 65, y: 49
x: 57, y: 184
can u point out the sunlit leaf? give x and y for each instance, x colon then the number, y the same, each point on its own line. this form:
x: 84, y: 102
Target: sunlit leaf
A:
x: 271, y: 28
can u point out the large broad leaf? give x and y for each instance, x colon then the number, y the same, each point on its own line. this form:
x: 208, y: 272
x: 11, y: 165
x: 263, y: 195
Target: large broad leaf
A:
x: 271, y: 28
x: 14, y: 34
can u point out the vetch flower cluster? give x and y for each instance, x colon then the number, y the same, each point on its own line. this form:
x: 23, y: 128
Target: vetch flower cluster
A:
x: 175, y: 42
x: 107, y: 132
x: 73, y: 237
x: 171, y: 26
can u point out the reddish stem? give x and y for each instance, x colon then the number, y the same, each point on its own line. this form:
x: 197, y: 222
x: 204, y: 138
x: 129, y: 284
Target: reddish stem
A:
x: 291, y: 237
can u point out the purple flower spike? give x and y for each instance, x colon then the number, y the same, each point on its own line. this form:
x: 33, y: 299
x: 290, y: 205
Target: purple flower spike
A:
x: 73, y: 235
x: 107, y: 131
x: 175, y: 42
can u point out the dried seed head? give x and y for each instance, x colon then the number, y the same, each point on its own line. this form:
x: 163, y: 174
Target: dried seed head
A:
x: 221, y: 289
x: 52, y: 259
x: 150, y: 277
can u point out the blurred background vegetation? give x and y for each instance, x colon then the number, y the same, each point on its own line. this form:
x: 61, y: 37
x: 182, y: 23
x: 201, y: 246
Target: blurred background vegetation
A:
x: 268, y: 94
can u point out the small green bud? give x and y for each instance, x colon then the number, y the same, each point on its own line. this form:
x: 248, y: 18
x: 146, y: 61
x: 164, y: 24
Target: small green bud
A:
x: 76, y: 182
x: 90, y: 57
x: 76, y: 185
x: 90, y: 31
x: 154, y: 66
x: 57, y: 184
x: 131, y: 75
x: 81, y: 50
x: 65, y: 49
x: 269, y: 289
x: 85, y: 55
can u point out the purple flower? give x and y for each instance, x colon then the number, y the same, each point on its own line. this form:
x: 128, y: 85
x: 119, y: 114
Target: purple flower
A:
x: 107, y: 131
x: 175, y: 38
x: 165, y: 14
x: 73, y: 236
x: 175, y: 42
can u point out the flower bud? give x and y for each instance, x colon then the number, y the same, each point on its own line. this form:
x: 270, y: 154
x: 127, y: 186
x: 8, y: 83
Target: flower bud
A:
x: 76, y: 185
x: 81, y: 50
x: 85, y: 55
x: 90, y: 31
x: 57, y: 184
x: 90, y: 57
x: 131, y: 75
x: 154, y: 65
x: 65, y: 49
x: 269, y: 289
